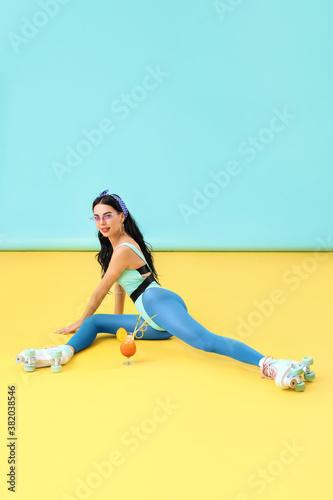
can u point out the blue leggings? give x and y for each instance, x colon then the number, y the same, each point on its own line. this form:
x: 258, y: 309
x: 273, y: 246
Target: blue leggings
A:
x: 171, y: 314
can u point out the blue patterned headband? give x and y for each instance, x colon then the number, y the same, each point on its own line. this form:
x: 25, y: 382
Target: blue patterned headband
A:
x: 119, y: 200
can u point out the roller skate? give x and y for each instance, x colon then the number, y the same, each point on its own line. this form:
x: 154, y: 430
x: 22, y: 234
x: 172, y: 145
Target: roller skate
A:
x: 38, y: 358
x: 287, y: 373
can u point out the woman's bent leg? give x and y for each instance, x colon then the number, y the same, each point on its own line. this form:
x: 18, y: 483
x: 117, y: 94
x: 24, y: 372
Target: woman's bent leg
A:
x: 109, y: 323
x: 171, y: 314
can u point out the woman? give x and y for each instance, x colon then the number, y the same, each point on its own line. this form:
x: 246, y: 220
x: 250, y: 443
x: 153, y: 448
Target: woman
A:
x: 127, y: 262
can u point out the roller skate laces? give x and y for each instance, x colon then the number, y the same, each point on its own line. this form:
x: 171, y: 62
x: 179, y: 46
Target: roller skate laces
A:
x: 267, y: 369
x: 286, y: 372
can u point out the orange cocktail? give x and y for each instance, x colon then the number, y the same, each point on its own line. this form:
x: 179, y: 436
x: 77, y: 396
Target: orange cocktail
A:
x: 128, y: 349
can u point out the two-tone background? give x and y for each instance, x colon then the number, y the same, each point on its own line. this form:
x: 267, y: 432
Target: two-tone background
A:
x: 212, y: 119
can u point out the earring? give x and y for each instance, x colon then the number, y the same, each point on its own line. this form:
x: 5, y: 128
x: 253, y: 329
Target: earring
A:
x: 96, y: 234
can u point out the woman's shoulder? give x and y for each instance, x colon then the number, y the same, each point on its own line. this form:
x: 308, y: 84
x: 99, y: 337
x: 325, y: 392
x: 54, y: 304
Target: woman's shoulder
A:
x: 130, y: 251
x: 127, y: 244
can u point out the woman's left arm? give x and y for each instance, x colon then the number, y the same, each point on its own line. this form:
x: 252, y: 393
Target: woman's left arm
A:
x: 119, y: 300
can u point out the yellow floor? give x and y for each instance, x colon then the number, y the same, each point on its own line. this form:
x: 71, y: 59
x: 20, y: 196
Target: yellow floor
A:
x: 181, y: 423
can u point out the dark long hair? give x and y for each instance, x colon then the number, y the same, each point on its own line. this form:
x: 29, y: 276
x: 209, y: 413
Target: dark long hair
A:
x: 131, y: 228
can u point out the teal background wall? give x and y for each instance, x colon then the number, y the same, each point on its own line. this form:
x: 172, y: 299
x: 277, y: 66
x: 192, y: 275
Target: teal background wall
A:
x: 212, y: 120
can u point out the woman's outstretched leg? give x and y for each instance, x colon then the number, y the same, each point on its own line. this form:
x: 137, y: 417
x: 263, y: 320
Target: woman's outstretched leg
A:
x: 171, y: 314
x: 109, y: 323
x: 86, y: 334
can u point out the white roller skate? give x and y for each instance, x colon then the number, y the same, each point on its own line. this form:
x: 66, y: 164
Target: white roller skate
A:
x: 38, y: 358
x: 286, y: 372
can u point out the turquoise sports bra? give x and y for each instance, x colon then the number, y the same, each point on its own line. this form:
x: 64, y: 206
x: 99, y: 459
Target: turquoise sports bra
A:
x: 131, y: 279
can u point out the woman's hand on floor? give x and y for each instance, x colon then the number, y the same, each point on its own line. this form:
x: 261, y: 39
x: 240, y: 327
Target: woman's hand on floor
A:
x: 72, y: 328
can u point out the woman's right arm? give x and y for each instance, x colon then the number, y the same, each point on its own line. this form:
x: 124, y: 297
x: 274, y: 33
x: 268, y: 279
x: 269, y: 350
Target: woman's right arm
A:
x: 117, y: 265
x: 94, y: 303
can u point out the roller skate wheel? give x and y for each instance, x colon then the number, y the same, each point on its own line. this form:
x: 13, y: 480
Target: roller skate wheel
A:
x: 56, y: 368
x: 56, y: 353
x: 309, y: 376
x: 307, y: 360
x: 300, y: 387
x: 293, y: 383
x: 296, y: 370
x: 29, y: 368
x: 19, y: 359
x: 29, y: 352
